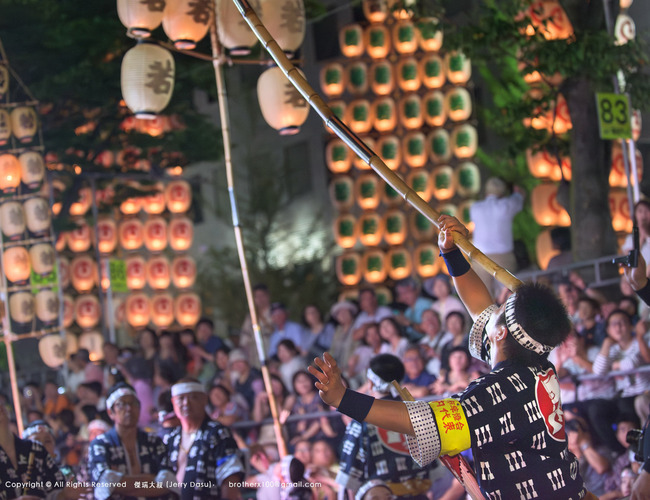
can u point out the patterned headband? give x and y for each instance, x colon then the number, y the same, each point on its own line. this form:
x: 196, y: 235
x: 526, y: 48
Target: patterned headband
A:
x: 380, y: 384
x: 36, y: 427
x: 120, y: 393
x: 186, y: 387
x: 518, y: 332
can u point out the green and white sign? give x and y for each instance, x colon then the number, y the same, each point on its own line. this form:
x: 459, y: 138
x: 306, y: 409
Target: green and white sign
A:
x: 614, y: 116
x: 117, y: 271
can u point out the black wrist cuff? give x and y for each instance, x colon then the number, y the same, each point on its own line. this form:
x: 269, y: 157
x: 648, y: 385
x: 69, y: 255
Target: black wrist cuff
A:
x: 456, y: 263
x: 355, y: 405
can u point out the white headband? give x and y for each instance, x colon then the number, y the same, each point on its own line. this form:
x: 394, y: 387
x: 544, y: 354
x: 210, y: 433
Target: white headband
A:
x: 33, y: 429
x: 365, y: 487
x: 518, y: 332
x: 121, y: 392
x: 380, y: 384
x: 476, y: 333
x: 185, y: 387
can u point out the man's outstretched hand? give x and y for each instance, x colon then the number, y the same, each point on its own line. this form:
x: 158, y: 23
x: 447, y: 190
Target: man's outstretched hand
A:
x: 329, y: 385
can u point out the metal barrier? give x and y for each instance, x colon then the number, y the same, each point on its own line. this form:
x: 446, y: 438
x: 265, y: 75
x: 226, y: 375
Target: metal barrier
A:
x: 598, y: 267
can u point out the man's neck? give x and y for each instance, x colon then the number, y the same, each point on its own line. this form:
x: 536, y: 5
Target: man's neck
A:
x: 191, y: 425
x: 127, y: 434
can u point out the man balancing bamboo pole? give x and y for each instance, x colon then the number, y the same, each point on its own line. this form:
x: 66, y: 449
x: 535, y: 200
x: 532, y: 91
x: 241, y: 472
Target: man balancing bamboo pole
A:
x: 512, y: 417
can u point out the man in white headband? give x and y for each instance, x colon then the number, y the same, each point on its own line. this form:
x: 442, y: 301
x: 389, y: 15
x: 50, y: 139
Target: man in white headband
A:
x: 203, y: 454
x: 512, y: 417
x: 124, y: 458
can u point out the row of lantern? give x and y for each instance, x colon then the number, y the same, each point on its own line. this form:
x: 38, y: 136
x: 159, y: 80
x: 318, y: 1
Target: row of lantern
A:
x: 442, y: 184
x: 32, y: 214
x: 55, y: 349
x: 377, y: 39
x: 414, y: 149
x: 18, y: 262
x: 28, y: 168
x: 21, y: 122
x: 25, y: 307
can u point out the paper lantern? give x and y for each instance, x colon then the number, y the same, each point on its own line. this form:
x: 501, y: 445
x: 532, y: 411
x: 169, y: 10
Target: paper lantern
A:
x: 32, y: 169
x: 404, y: 37
x: 345, y: 231
x: 418, y: 179
x: 358, y: 116
x: 15, y: 264
x: 544, y: 249
x: 426, y: 260
x: 370, y: 229
x: 339, y: 108
x: 137, y: 310
x: 178, y: 195
x: 464, y: 215
x: 155, y: 234
x: 562, y: 123
x: 395, y: 227
x: 376, y: 11
x: 549, y: 18
x: 414, y: 149
x: 37, y: 216
x: 444, y: 182
x: 93, y: 342
x: 107, y: 232
x: 439, y: 148
x: 181, y: 234
x: 9, y: 173
x: 147, y: 79
x: 459, y: 68
x: 338, y: 156
x: 282, y: 105
x: 543, y: 164
x: 620, y: 211
x: 158, y: 273
x: 617, y: 177
x: 341, y: 189
x: 285, y: 21
x: 467, y: 179
x: 233, y: 30
x: 421, y: 228
x: 367, y: 191
x: 183, y: 271
x: 162, y: 310
x: 546, y: 210
x: 21, y: 307
x: 625, y: 4
x: 82, y: 204
x: 432, y: 73
x: 351, y: 40
x: 87, y: 311
x: 357, y: 161
x: 434, y: 108
x: 131, y: 206
x: 332, y: 81
x: 80, y: 239
x: 5, y: 120
x: 43, y: 258
x: 382, y: 80
x: 400, y: 264
x: 61, y: 241
x: 12, y: 220
x: 357, y: 78
x: 52, y: 350
x: 389, y: 149
x: 410, y: 111
x: 64, y: 272
x: 83, y: 273
x: 377, y: 41
x: 348, y: 269
x: 187, y: 309
x: 131, y: 234
x: 24, y: 123
x: 373, y: 265
x: 155, y: 204
x: 384, y: 115
x: 136, y: 277
x: 140, y: 18
x: 459, y: 104
x: 408, y: 74
x: 46, y: 302
x: 68, y: 310
x: 390, y: 197
x: 464, y: 141
x: 429, y: 35
x: 186, y: 22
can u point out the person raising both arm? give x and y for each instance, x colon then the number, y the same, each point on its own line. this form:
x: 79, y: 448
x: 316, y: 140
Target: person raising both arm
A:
x: 512, y: 417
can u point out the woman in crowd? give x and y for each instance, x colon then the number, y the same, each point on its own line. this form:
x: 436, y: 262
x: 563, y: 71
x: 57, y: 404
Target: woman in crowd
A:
x: 307, y: 401
x: 458, y: 377
x: 343, y: 343
x: 291, y: 362
x: 434, y: 339
x: 440, y: 287
x: 321, y: 333
x: 360, y: 360
x: 391, y: 333
x: 454, y: 324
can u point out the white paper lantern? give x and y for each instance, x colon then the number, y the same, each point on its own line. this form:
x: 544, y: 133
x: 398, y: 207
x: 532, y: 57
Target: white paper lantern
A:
x: 186, y: 22
x: 32, y: 169
x: 155, y: 234
x: 21, y: 307
x: 158, y: 273
x: 107, y: 232
x: 131, y: 234
x: 43, y: 258
x: 9, y: 173
x: 37, y: 216
x: 87, y: 311
x: 52, y: 350
x: 24, y: 123
x: 83, y: 273
x: 283, y: 107
x: 285, y: 21
x: 178, y: 196
x: 12, y: 220
x: 80, y: 239
x: 16, y: 265
x: 137, y: 310
x: 234, y: 32
x: 140, y: 18
x: 5, y: 121
x: 47, y: 306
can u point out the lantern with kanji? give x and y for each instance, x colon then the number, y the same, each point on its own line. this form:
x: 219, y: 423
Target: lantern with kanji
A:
x: 140, y: 18
x: 46, y: 302
x: 421, y: 227
x: 408, y: 75
x: 37, y: 216
x: 285, y: 21
x: 32, y: 169
x: 131, y: 234
x: 395, y: 227
x: 367, y: 191
x: 186, y: 22
x: 5, y: 122
x: 410, y: 111
x: 348, y: 268
x: 438, y: 141
x: 426, y: 260
x: 24, y: 123
x: 187, y: 309
x: 620, y: 211
x: 351, y: 40
x: 155, y: 203
x: 181, y: 233
x: 178, y: 195
x: 233, y: 30
x: 337, y: 156
x: 15, y: 264
x: 331, y: 79
x: 373, y: 265
x: 68, y: 310
x: 87, y: 311
x: 459, y: 104
x: 384, y: 115
x: 432, y: 71
x: 155, y: 234
x: 282, y: 105
x: 546, y: 209
x: 136, y: 277
x: 79, y: 239
x: 434, y: 108
x: 382, y: 81
x: 341, y: 192
x: 444, y: 183
x: 370, y: 228
x: 12, y: 220
x: 459, y: 68
x: 158, y: 274
x: 137, y: 310
x: 162, y: 310
x: 9, y: 173
x: 43, y: 258
x: 418, y: 179
x: 400, y: 263
x: 389, y: 149
x: 183, y: 271
x: 617, y: 177
x: 21, y: 307
x: 464, y: 141
x: 107, y: 232
x: 83, y: 273
x: 414, y: 149
x: 357, y: 78
x: 377, y: 40
x: 52, y: 350
x: 429, y: 34
x: 345, y: 231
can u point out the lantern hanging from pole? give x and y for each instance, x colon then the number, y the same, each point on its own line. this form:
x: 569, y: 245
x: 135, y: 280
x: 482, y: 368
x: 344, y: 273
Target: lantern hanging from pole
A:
x: 459, y: 68
x: 285, y: 21
x: 32, y: 169
x: 400, y: 264
x: 24, y: 123
x: 83, y: 273
x: 444, y: 185
x: 418, y: 180
x: 5, y: 123
x: 370, y: 228
x: 136, y: 277
x: 81, y: 206
x: 540, y: 163
x: 186, y: 22
x: 107, y: 232
x: 21, y: 308
x: 359, y: 117
x: 345, y: 231
x: 37, y: 216
x: 348, y: 268
x: 43, y: 258
x: 377, y: 40
x: 434, y: 108
x: 408, y: 75
x: 93, y: 342
x: 187, y: 309
x: 376, y: 11
x: 389, y: 149
x: 395, y: 227
x: 9, y: 173
x: 337, y: 156
x: 467, y: 179
x: 147, y: 79
x: 414, y: 150
x: 421, y: 227
x: 357, y: 78
x: 282, y: 105
x: 459, y: 104
x: 383, y: 114
x: 181, y: 234
x: 68, y: 310
x: 429, y: 34
x: 140, y: 18
x: 155, y: 203
x: 233, y: 30
x: 183, y: 271
x: 155, y: 234
x: 52, y: 350
x: 546, y: 209
x: 12, y: 220
x: 158, y: 274
x: 544, y: 249
x: 351, y: 40
x: 47, y: 306
x: 16, y: 265
x: 162, y: 310
x: 64, y: 272
x: 178, y: 195
x: 332, y: 81
x: 137, y: 310
x: 382, y: 80
x: 131, y: 234
x: 432, y: 71
x: 410, y: 111
x: 341, y: 189
x: 359, y: 162
x: 426, y: 259
x: 617, y: 177
x: 367, y: 191
x: 87, y: 311
x: 464, y: 141
x: 80, y: 239
x: 404, y: 37
x: 373, y: 265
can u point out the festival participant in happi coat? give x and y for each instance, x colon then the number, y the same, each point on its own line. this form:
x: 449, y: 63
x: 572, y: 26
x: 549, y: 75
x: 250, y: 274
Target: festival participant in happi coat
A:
x: 512, y: 417
x: 126, y: 462
x: 203, y: 453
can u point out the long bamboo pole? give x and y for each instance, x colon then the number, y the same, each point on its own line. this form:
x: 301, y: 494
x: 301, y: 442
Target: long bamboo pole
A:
x: 474, y: 255
x: 225, y: 132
